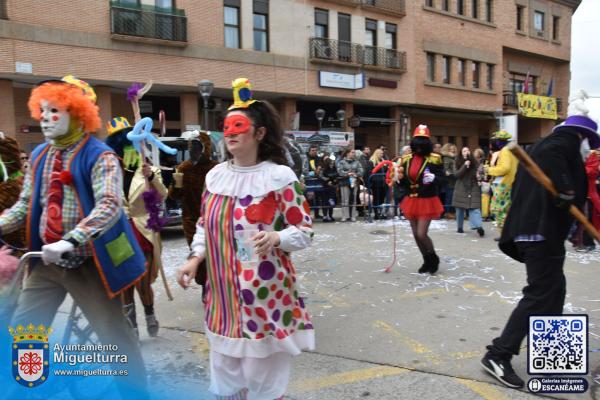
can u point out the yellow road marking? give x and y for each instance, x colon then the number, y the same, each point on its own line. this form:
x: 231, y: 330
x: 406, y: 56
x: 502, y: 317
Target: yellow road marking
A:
x: 485, y: 390
x: 199, y: 343
x: 344, y: 378
x: 414, y: 345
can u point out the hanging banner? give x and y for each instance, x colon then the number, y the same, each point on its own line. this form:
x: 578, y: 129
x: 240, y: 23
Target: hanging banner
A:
x: 533, y: 106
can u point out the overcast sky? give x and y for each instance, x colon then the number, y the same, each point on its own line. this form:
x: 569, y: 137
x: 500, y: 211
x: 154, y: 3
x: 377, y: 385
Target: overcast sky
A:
x: 585, y: 54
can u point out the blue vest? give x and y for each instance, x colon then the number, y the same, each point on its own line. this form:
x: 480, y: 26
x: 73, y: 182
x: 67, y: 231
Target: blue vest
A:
x: 117, y: 254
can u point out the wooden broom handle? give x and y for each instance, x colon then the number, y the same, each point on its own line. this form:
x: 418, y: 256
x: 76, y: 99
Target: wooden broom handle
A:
x: 541, y: 177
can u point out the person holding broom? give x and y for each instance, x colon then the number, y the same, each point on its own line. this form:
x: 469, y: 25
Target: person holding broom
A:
x: 536, y: 228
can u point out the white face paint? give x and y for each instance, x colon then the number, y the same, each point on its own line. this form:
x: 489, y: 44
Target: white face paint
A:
x: 54, y: 121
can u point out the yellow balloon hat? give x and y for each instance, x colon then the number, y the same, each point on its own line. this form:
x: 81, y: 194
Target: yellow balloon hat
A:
x: 83, y: 85
x: 242, y: 94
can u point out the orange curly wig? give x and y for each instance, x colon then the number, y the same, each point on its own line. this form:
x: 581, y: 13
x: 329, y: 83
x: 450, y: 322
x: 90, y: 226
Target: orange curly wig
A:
x: 67, y: 97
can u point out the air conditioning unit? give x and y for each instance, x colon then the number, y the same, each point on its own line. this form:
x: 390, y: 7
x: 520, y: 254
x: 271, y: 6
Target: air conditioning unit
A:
x: 324, y: 52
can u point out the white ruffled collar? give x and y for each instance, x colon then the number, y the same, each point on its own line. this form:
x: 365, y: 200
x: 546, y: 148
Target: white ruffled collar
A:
x: 232, y: 180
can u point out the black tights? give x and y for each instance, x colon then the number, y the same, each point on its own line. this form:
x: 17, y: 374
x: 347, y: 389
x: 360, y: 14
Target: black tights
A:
x: 420, y: 227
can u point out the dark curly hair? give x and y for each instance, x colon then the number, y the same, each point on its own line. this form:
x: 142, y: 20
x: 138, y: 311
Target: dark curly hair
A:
x: 271, y: 148
x: 421, y: 145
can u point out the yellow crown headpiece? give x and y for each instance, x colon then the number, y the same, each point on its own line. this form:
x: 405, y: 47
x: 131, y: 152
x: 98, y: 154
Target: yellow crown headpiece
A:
x: 242, y: 94
x: 116, y: 125
x: 30, y: 332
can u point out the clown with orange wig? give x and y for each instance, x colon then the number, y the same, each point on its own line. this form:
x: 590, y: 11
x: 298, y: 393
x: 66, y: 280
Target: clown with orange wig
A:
x: 71, y: 206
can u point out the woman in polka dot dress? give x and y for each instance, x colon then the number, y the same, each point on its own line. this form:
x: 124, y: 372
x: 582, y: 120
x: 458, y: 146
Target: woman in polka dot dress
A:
x: 255, y: 318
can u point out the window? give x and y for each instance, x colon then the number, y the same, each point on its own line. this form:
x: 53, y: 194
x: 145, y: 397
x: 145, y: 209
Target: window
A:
x: 475, y: 70
x: 460, y: 7
x: 488, y: 10
x: 555, y: 27
x: 431, y: 67
x: 391, y: 56
x: 490, y: 76
x: 232, y: 27
x: 370, y: 42
x: 517, y: 84
x: 445, y: 69
x: 345, y: 53
x: 321, y: 23
x: 538, y: 21
x: 520, y: 11
x: 165, y: 4
x: 261, y: 32
x: 446, y: 5
x: 465, y: 141
x: 390, y: 36
x: 475, y: 8
x: 260, y: 23
x: 429, y: 3
x: 461, y: 71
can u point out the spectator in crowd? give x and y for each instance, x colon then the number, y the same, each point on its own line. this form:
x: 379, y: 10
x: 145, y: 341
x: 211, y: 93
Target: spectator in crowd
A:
x: 449, y: 161
x: 349, y: 171
x: 379, y: 187
x: 314, y: 194
x: 483, y: 182
x: 383, y: 148
x: 329, y: 176
x: 364, y: 162
x: 24, y: 162
x: 467, y: 194
x: 437, y: 148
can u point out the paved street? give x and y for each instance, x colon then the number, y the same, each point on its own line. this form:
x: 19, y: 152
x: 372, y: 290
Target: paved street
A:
x: 382, y: 336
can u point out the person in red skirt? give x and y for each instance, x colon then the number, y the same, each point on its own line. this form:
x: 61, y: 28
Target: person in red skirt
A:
x: 422, y: 176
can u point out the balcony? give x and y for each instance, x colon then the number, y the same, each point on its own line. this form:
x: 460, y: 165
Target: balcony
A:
x: 351, y: 3
x: 147, y: 22
x: 509, y: 100
x: 391, y: 7
x: 346, y: 53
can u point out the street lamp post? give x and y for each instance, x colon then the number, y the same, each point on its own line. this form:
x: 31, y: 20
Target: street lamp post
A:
x: 404, y: 130
x: 320, y: 114
x: 205, y: 87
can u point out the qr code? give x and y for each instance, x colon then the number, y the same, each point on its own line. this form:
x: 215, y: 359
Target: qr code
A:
x: 558, y: 344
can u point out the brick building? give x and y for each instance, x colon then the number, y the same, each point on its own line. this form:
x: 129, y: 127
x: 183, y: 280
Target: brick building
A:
x: 390, y: 64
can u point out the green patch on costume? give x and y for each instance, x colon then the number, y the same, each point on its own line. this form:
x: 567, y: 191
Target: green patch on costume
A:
x: 119, y: 250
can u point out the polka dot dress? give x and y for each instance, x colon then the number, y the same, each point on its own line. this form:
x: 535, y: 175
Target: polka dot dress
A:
x: 255, y: 300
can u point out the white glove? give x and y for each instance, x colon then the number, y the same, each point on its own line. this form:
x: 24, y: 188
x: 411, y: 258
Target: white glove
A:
x: 52, y: 253
x: 428, y: 177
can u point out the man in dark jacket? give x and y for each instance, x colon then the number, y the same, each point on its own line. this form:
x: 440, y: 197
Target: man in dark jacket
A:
x: 536, y: 228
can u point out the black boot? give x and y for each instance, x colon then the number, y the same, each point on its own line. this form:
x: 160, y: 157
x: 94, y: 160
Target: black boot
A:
x: 434, y: 262
x: 426, y: 264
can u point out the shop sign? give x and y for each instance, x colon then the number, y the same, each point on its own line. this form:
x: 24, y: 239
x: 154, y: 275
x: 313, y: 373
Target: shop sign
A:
x: 341, y: 81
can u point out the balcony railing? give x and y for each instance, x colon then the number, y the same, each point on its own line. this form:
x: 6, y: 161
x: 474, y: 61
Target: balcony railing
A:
x: 148, y: 21
x: 510, y: 100
x: 322, y: 49
x: 346, y: 2
x: 392, y: 7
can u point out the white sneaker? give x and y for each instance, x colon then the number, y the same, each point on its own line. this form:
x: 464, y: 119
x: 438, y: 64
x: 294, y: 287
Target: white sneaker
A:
x: 343, y: 219
x: 353, y: 219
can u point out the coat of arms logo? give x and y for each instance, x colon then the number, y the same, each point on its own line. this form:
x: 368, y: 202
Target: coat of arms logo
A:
x: 30, y: 354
